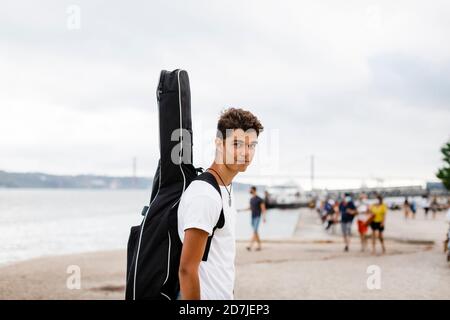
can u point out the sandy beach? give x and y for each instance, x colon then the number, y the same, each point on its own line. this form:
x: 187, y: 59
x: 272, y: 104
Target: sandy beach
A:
x: 310, y: 264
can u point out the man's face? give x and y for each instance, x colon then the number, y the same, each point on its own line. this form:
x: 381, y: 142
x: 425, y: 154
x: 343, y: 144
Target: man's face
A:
x: 238, y: 149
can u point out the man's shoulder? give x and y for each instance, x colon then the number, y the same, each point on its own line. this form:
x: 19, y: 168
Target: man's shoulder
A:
x: 200, y: 188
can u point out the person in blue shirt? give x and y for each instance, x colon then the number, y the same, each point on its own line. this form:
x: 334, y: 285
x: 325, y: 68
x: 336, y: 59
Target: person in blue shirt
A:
x: 258, y: 209
x: 348, y: 211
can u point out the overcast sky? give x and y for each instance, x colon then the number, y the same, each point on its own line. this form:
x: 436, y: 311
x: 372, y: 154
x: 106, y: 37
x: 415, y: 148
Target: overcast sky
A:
x: 362, y: 85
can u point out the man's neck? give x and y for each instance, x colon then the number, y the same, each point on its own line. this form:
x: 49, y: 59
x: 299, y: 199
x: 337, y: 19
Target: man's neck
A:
x: 226, y: 174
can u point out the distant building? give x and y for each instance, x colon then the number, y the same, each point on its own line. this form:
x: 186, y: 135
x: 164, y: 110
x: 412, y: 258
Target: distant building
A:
x: 436, y: 188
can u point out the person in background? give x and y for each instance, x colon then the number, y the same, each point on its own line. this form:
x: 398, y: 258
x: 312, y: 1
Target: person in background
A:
x: 426, y: 205
x: 329, y: 214
x: 447, y: 241
x: 362, y: 218
x: 258, y: 209
x: 266, y: 199
x: 413, y: 208
x: 321, y: 210
x: 434, y: 206
x: 348, y: 211
x: 406, y: 208
x: 379, y: 211
x: 336, y: 216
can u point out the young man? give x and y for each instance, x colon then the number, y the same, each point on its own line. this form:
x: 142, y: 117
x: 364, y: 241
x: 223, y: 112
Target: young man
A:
x: 348, y: 211
x: 258, y: 209
x: 200, y: 207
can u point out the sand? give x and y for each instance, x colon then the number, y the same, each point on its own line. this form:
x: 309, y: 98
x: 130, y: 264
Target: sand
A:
x: 311, y: 264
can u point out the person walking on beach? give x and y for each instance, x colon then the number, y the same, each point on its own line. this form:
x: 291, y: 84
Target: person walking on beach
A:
x: 406, y: 208
x: 330, y: 214
x: 447, y: 241
x: 379, y: 211
x: 200, y: 208
x: 434, y: 206
x: 413, y: 207
x: 426, y: 205
x: 258, y: 209
x: 362, y: 219
x: 348, y: 211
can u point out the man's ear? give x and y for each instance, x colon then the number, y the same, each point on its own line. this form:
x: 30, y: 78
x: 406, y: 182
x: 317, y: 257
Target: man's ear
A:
x: 219, y: 143
x: 219, y: 150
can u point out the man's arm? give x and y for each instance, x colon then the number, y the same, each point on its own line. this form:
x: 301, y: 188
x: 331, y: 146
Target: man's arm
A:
x: 263, y: 211
x: 191, y: 255
x: 352, y: 210
x: 384, y: 216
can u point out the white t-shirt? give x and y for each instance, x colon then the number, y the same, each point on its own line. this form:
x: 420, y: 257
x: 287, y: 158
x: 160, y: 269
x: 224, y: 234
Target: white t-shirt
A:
x: 426, y: 203
x: 200, y: 208
x: 363, y: 206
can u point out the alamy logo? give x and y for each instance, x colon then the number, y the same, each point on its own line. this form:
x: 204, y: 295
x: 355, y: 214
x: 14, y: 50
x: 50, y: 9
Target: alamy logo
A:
x: 374, y: 279
x: 74, y: 17
x: 73, y: 282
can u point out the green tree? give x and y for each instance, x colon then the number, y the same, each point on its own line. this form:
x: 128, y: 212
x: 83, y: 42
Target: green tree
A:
x: 444, y: 173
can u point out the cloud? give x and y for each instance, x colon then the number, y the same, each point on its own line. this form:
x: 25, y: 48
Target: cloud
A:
x: 411, y: 79
x: 352, y: 83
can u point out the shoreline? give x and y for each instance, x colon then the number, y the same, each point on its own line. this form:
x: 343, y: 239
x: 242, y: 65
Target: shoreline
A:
x: 311, y: 264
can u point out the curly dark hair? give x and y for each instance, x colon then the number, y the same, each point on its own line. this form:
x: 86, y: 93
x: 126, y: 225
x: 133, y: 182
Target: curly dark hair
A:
x: 236, y: 118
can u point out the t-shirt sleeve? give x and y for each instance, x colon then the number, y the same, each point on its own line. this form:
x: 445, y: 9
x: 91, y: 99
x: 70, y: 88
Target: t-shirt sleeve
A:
x: 258, y: 203
x: 201, y: 212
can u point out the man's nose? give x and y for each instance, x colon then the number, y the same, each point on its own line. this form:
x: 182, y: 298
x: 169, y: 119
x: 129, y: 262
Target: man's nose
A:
x: 247, y: 152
